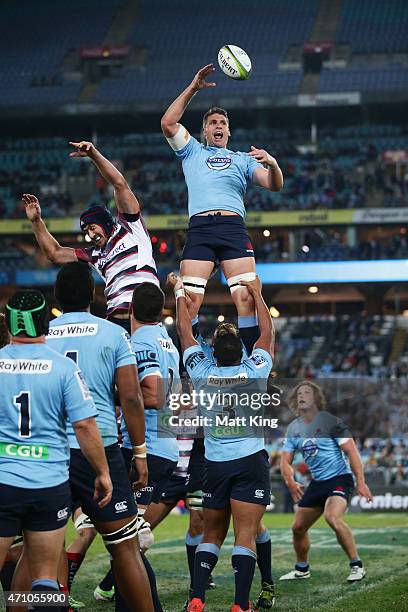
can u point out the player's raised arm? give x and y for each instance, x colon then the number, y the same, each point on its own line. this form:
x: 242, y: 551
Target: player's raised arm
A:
x: 270, y: 177
x: 47, y: 243
x: 266, y: 338
x: 183, y: 319
x: 125, y: 199
x: 170, y: 119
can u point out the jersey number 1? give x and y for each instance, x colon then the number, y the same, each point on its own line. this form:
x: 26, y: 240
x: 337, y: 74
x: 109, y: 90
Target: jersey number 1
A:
x: 23, y: 402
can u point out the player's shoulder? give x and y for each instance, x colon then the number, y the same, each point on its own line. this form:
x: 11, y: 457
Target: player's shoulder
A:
x: 258, y: 359
x: 194, y: 356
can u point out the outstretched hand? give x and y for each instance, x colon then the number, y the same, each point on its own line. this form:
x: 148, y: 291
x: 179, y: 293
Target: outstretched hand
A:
x: 83, y: 149
x: 32, y: 206
x: 199, y: 81
x: 174, y: 281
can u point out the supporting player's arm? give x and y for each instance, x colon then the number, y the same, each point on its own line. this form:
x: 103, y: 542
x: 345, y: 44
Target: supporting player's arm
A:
x: 47, y: 243
x: 125, y: 199
x: 349, y: 447
x: 131, y: 400
x: 288, y: 475
x: 270, y: 177
x: 90, y: 442
x: 170, y: 119
x: 183, y: 319
x: 266, y: 340
x: 153, y: 391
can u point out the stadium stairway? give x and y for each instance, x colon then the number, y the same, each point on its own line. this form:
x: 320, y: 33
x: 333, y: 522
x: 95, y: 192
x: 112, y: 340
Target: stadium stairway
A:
x: 326, y: 22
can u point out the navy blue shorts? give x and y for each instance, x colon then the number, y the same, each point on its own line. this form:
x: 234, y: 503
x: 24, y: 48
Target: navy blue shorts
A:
x: 45, y: 509
x: 160, y: 470
x: 195, y: 469
x: 217, y: 238
x: 174, y: 490
x: 245, y: 479
x: 319, y: 491
x: 82, y: 479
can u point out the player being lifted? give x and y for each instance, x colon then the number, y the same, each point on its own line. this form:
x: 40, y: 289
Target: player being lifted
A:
x: 217, y: 179
x: 332, y: 457
x: 236, y: 473
x: 121, y: 251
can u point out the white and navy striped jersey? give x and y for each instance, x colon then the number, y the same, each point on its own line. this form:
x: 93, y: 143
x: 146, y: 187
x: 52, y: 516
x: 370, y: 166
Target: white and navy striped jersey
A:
x: 124, y: 262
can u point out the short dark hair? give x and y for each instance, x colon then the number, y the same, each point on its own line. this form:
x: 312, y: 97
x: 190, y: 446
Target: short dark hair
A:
x: 215, y: 110
x: 227, y: 344
x: 27, y: 313
x: 74, y: 287
x: 147, y: 303
x: 4, y: 332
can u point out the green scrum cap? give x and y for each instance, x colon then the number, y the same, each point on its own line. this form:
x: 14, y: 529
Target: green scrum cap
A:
x: 27, y: 313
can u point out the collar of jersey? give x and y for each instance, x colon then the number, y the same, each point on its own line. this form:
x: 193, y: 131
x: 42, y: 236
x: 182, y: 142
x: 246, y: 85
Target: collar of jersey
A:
x: 221, y: 149
x: 71, y: 317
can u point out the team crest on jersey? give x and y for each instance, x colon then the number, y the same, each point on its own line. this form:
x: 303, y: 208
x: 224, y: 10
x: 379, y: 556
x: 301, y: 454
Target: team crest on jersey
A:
x: 194, y: 360
x: 258, y: 360
x: 309, y: 448
x: 218, y: 162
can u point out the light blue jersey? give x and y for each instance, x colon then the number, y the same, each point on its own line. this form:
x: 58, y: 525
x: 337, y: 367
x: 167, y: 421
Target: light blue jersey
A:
x: 225, y: 442
x: 216, y: 178
x: 99, y: 347
x: 40, y: 389
x: 320, y: 444
x: 157, y: 355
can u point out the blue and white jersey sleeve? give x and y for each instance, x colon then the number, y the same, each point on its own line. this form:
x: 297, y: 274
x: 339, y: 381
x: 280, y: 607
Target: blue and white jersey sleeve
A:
x: 252, y: 165
x: 124, y: 352
x: 259, y: 364
x: 147, y: 359
x: 189, y: 149
x: 196, y: 362
x: 77, y: 397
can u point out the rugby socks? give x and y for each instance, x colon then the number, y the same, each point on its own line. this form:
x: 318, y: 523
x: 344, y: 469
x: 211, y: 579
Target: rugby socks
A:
x: 302, y: 566
x: 120, y: 604
x: 107, y: 583
x: 249, y: 331
x: 243, y: 563
x: 74, y: 563
x: 356, y: 562
x: 6, y: 574
x: 206, y: 558
x: 45, y: 584
x: 191, y: 546
x: 264, y: 556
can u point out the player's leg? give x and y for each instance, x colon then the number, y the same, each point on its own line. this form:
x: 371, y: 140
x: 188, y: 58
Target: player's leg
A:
x: 76, y: 551
x: 43, y: 549
x: 334, y: 510
x: 13, y: 555
x: 246, y: 518
x: 305, y: 517
x: 5, y: 543
x: 216, y: 523
x: 195, y: 274
x: 266, y: 598
x: 156, y: 513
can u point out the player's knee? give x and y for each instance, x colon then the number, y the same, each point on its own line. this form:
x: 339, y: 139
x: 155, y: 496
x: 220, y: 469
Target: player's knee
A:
x: 125, y: 533
x: 299, y: 529
x: 334, y: 521
x: 234, y: 283
x: 195, y: 285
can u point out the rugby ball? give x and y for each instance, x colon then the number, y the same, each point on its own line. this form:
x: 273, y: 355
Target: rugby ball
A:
x: 234, y: 62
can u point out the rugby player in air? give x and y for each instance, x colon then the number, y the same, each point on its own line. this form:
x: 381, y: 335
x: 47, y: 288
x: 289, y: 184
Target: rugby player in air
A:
x: 217, y: 180
x: 40, y: 391
x: 121, y: 251
x: 236, y: 473
x: 103, y: 351
x: 332, y: 457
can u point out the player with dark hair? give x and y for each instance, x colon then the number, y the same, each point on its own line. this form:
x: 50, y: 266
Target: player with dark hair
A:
x: 236, y: 474
x: 103, y: 351
x: 40, y: 390
x: 121, y: 251
x: 4, y: 332
x: 217, y: 180
x: 332, y: 457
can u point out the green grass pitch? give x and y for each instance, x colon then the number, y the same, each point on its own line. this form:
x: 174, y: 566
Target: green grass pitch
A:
x: 382, y: 540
